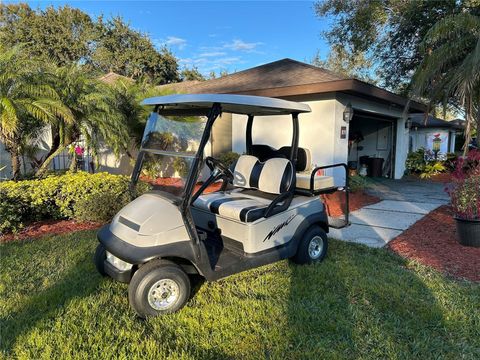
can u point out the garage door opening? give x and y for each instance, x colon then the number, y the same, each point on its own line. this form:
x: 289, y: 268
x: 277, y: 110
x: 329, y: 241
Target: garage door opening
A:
x: 371, y: 144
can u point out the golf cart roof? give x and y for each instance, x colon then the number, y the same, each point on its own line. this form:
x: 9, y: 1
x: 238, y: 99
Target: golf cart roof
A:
x: 236, y: 104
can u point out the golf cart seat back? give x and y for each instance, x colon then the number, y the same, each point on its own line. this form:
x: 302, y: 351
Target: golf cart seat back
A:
x: 272, y: 177
x: 265, y: 152
x: 304, y: 161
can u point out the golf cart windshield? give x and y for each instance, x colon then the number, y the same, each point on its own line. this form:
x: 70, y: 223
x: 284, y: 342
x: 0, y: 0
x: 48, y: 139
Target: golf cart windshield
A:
x: 168, y: 148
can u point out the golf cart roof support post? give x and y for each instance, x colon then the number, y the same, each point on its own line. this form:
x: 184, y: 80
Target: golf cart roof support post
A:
x: 193, y: 174
x: 294, y: 151
x: 248, y: 135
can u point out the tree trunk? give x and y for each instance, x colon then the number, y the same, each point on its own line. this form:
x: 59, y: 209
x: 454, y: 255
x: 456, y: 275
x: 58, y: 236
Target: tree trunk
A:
x: 15, y: 157
x: 44, y: 167
x: 55, y: 144
x: 73, y: 163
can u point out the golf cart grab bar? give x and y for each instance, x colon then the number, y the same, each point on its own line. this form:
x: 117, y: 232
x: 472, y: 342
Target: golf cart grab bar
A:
x: 314, y: 171
x: 346, y: 187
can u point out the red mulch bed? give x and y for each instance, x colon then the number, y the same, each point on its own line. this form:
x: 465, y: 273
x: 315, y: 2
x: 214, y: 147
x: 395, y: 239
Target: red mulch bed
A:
x: 49, y: 227
x: 335, y: 202
x: 433, y: 241
x: 440, y: 178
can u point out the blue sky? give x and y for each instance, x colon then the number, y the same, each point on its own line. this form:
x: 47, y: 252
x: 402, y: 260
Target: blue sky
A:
x: 220, y: 35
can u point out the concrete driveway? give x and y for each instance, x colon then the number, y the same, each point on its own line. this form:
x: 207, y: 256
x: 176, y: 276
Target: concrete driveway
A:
x: 404, y: 202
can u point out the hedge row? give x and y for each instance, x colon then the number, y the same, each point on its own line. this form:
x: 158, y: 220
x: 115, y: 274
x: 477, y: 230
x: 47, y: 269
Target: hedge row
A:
x: 80, y: 196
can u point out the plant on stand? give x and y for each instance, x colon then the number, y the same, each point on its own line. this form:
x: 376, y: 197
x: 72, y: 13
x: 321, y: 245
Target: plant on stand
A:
x: 464, y: 193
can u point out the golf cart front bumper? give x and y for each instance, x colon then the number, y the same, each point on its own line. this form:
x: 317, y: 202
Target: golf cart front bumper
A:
x: 117, y: 274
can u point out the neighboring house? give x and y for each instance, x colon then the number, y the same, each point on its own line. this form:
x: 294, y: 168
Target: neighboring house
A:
x: 378, y: 127
x: 424, y: 130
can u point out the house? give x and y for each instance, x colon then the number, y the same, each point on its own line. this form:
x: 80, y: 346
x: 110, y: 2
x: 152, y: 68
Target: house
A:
x: 350, y: 119
x: 424, y: 129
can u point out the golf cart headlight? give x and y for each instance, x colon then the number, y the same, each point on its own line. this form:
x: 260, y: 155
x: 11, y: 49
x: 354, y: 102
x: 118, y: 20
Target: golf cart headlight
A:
x: 118, y: 263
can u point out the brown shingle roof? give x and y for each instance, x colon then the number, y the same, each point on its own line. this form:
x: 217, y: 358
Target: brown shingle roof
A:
x: 112, y: 77
x: 286, y: 78
x: 281, y: 73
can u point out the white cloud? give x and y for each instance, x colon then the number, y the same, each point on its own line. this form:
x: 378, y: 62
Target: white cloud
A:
x: 207, y: 64
x: 240, y: 45
x: 212, y: 54
x: 176, y: 41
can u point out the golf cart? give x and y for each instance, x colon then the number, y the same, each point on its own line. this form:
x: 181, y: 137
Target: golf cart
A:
x: 264, y: 208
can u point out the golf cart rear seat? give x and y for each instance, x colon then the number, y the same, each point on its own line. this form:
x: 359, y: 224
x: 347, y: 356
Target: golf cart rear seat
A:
x: 320, y: 182
x: 274, y: 176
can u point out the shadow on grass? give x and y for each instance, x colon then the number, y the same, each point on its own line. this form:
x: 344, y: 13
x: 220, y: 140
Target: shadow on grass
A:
x: 363, y: 302
x: 41, y: 306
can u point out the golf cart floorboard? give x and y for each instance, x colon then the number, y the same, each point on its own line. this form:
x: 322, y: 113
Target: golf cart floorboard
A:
x: 225, y: 262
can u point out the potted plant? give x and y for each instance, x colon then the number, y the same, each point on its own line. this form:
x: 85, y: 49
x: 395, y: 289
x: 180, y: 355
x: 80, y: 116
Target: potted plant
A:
x: 464, y: 193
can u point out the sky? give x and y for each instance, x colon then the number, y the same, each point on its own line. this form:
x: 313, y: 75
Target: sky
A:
x: 220, y: 35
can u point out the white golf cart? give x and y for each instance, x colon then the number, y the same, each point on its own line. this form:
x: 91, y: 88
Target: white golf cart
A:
x: 265, y: 208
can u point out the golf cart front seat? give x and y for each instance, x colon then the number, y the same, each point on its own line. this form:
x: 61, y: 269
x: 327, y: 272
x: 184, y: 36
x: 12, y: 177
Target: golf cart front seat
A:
x: 270, y: 181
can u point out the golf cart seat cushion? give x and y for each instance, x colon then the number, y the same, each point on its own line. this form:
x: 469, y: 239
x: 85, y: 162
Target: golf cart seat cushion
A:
x: 233, y: 206
x: 273, y: 176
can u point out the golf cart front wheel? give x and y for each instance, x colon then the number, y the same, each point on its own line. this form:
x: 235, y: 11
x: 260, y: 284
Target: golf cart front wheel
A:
x: 158, y: 287
x: 313, y: 246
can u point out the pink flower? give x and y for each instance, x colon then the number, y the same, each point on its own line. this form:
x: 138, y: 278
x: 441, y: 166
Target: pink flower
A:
x: 79, y: 150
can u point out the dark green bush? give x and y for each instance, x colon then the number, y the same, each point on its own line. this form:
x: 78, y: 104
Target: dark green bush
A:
x: 228, y: 158
x: 81, y: 196
x: 358, y: 183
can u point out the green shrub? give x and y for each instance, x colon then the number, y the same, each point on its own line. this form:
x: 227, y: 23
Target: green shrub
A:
x: 81, y: 196
x: 358, y: 183
x: 228, y: 158
x: 432, y: 168
x: 416, y: 161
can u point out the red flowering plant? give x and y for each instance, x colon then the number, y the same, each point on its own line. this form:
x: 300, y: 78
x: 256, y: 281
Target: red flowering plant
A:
x: 464, y: 190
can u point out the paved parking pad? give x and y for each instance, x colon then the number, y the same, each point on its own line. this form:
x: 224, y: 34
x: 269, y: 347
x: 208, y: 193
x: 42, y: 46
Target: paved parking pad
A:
x: 375, y: 225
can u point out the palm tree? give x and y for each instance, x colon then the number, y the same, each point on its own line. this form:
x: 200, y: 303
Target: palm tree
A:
x: 450, y: 70
x: 95, y: 114
x: 24, y: 101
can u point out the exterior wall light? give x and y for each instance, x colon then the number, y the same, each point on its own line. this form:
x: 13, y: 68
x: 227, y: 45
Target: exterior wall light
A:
x: 408, y: 123
x: 348, y: 113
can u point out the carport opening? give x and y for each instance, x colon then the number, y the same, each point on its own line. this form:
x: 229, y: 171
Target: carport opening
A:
x: 371, y: 144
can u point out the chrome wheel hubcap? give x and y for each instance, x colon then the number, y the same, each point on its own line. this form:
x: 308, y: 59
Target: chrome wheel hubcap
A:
x: 163, y: 294
x: 315, y: 247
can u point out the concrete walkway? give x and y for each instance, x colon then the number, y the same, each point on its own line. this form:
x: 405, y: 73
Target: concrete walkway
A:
x: 404, y: 203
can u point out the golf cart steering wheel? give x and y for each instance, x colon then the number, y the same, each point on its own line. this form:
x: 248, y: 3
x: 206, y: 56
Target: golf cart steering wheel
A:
x: 214, y: 164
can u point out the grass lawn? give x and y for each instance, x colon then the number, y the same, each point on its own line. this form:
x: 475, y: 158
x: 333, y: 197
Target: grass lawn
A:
x: 359, y: 303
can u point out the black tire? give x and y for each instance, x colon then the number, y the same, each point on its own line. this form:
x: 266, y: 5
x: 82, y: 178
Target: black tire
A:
x: 99, y: 259
x: 166, y: 276
x: 307, y: 255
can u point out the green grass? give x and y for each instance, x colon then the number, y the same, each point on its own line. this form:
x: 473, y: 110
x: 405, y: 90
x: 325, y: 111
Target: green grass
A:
x: 359, y: 303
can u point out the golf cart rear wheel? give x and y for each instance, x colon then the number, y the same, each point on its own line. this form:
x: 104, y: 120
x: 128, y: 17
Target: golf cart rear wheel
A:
x: 99, y: 259
x: 313, y: 246
x: 158, y: 287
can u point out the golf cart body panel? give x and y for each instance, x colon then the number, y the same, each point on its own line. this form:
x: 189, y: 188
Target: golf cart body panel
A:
x: 139, y: 221
x: 258, y: 214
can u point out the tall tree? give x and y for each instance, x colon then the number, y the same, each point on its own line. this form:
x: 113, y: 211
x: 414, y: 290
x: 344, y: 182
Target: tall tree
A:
x: 339, y: 60
x: 130, y: 53
x: 63, y: 35
x: 24, y: 101
x: 450, y: 69
x: 191, y: 74
x: 68, y: 36
x: 389, y: 32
